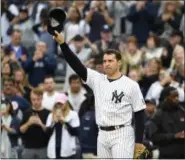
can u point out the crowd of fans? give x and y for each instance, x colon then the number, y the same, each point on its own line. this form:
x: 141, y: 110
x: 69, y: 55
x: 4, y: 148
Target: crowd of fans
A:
x: 150, y: 36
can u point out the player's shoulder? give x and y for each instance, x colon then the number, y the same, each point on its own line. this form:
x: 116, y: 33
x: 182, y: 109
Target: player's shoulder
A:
x: 92, y: 72
x: 129, y: 81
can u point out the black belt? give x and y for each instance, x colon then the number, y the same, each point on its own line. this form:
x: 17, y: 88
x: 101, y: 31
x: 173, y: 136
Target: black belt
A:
x: 111, y: 128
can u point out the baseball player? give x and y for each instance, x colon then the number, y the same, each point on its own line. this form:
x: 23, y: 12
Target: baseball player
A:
x: 116, y: 99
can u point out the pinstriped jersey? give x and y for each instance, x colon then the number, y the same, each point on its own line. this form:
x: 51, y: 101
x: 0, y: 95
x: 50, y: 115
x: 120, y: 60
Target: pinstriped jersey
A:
x: 115, y: 101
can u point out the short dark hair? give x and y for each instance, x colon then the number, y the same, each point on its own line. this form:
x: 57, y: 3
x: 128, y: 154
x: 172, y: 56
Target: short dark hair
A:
x: 78, y: 38
x: 155, y: 38
x: 8, y: 101
x: 48, y: 76
x: 115, y: 52
x: 166, y: 92
x: 98, y: 59
x: 74, y: 77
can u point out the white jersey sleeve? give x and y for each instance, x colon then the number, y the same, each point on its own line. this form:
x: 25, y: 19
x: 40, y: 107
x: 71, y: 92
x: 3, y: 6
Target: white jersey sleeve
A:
x: 138, y: 102
x: 92, y: 77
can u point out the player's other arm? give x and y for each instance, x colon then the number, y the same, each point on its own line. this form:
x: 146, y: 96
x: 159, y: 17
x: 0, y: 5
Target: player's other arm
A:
x: 138, y: 107
x: 139, y: 125
x: 71, y: 58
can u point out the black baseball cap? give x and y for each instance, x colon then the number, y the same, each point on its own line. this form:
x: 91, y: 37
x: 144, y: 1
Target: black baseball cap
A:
x: 56, y: 18
x: 105, y: 28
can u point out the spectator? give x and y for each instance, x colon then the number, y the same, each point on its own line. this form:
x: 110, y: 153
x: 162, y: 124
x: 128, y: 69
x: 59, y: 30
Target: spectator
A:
x: 106, y: 41
x: 9, y: 15
x: 9, y: 129
x: 98, y: 62
x: 50, y: 93
x: 153, y: 49
x: 37, y: 9
x: 169, y: 138
x: 16, y: 47
x: 9, y: 92
x: 76, y: 93
x: 42, y: 33
x: 33, y: 123
x: 74, y: 25
x: 63, y: 125
x: 150, y: 74
x: 142, y: 15
x: 11, y: 60
x: 6, y: 71
x: 78, y: 46
x: 134, y: 74
x: 179, y: 75
x: 175, y: 38
x: 96, y: 17
x: 177, y: 63
x: 132, y: 56
x: 149, y: 113
x: 82, y: 6
x: 150, y: 109
x: 25, y: 25
x: 165, y: 80
x: 39, y: 65
x: 120, y: 10
x: 21, y: 81
x: 169, y: 20
x: 88, y: 128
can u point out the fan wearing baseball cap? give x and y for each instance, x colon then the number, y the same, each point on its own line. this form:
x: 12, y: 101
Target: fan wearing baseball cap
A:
x: 62, y: 124
x: 106, y: 40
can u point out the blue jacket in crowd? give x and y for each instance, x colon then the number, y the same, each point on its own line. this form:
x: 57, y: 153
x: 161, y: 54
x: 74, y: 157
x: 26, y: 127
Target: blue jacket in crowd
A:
x: 39, y: 69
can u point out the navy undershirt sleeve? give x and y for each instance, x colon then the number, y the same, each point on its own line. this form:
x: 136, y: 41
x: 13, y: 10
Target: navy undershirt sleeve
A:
x: 139, y: 125
x: 74, y: 62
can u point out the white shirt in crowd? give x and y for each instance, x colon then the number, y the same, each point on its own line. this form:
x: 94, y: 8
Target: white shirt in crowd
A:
x: 68, y: 142
x: 156, y: 89
x: 76, y: 100
x: 71, y: 30
x: 48, y: 101
x: 154, y: 53
x: 83, y: 56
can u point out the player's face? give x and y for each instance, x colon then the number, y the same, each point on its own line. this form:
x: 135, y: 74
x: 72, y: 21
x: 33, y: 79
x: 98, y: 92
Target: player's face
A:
x: 110, y: 64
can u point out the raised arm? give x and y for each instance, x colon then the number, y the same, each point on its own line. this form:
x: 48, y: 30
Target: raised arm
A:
x: 71, y: 58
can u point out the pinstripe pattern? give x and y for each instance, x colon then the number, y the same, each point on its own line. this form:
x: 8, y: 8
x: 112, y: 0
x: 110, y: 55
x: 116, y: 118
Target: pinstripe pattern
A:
x: 117, y: 144
x: 115, y: 103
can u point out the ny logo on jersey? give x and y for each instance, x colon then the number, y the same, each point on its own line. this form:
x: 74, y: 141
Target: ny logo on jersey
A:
x: 117, y: 97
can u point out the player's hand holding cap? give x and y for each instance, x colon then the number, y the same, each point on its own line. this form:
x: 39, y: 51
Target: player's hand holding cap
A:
x: 56, y: 18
